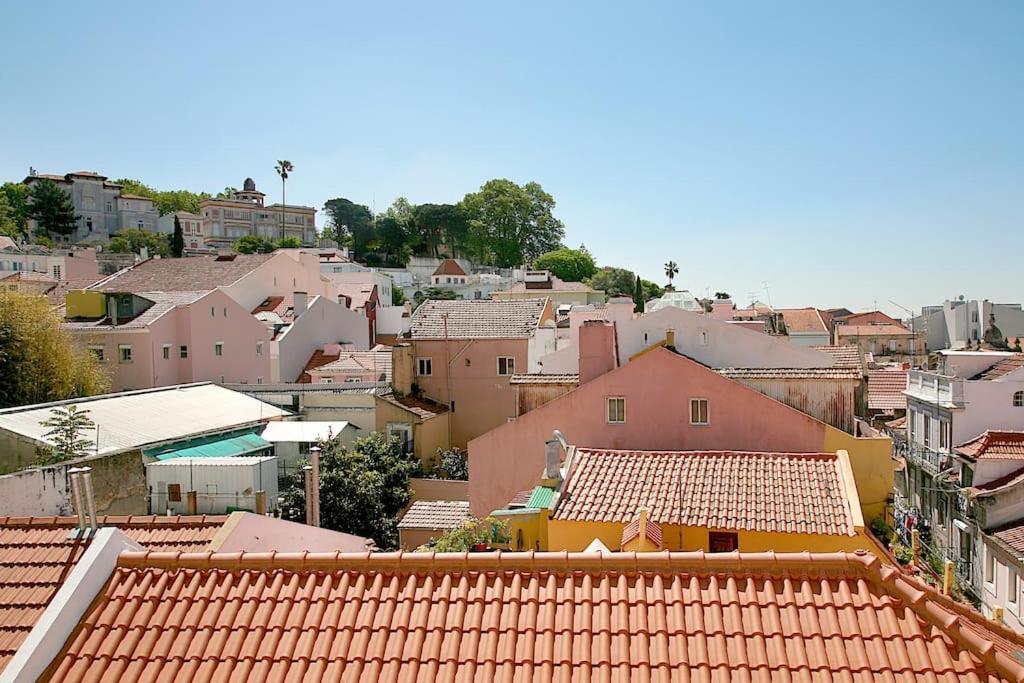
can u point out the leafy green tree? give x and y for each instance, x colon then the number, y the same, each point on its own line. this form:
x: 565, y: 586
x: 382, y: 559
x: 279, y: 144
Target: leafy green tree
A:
x: 51, y: 208
x: 289, y: 242
x: 638, y: 296
x: 722, y: 295
x: 254, y: 244
x: 8, y: 223
x: 38, y: 360
x: 166, y: 201
x: 177, y: 240
x: 571, y: 265
x: 362, y: 488
x: 350, y: 223
x: 433, y: 293
x: 17, y: 201
x: 437, y: 224
x: 392, y: 240
x: 510, y: 225
x: 614, y: 281
x: 397, y: 296
x: 132, y: 240
x: 452, y: 463
x: 67, y: 434
x: 227, y: 193
x: 651, y: 290
x: 473, y: 533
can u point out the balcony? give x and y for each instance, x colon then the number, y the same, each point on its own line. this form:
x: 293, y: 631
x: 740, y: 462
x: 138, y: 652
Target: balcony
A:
x: 935, y: 389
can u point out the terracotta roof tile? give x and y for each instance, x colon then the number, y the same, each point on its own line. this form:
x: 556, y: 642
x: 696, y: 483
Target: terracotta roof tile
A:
x: 885, y: 390
x: 792, y: 373
x: 528, y: 616
x: 769, y: 492
x: 844, y: 356
x: 873, y: 330
x: 435, y: 514
x: 994, y: 445
x: 36, y: 556
x: 195, y: 273
x: 534, y: 378
x: 477, y: 318
x: 1011, y: 535
x: 802, y: 319
x: 425, y: 408
x: 449, y: 267
x: 357, y: 294
x: 1002, y: 368
x: 652, y: 530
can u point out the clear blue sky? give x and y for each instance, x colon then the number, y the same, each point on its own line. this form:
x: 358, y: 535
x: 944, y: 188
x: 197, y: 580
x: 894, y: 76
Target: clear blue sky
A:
x: 843, y: 154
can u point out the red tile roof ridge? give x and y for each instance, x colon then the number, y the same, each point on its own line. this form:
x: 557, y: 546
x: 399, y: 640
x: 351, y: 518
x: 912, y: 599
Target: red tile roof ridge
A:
x: 821, y: 455
x: 117, y: 520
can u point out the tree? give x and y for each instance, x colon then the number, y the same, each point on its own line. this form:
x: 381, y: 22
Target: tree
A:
x: 571, y: 265
x: 511, y: 225
x: 671, y: 270
x: 433, y: 293
x: 638, y: 296
x: 66, y: 434
x: 289, y: 242
x: 166, y: 201
x: 38, y: 360
x: 51, y: 208
x: 397, y: 296
x: 362, y: 488
x: 437, y: 224
x: 8, y: 224
x: 283, y: 168
x: 350, y: 223
x: 132, y: 240
x: 471, y: 534
x: 254, y: 244
x: 614, y: 281
x: 227, y: 193
x: 17, y: 201
x: 722, y: 295
x: 452, y: 463
x: 177, y: 240
x: 651, y: 290
x: 392, y: 239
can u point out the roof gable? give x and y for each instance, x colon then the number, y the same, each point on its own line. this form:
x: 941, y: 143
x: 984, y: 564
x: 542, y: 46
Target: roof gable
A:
x: 477, y: 318
x: 449, y: 267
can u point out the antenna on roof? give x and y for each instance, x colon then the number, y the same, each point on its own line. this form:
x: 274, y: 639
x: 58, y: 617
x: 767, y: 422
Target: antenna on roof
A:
x: 767, y: 293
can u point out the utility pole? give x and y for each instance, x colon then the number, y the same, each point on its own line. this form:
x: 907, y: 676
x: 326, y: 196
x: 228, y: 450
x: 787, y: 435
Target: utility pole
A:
x: 913, y: 332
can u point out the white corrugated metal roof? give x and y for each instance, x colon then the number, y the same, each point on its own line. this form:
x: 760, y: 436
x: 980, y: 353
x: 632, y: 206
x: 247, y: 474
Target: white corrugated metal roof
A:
x: 134, y: 419
x: 303, y: 432
x: 233, y: 461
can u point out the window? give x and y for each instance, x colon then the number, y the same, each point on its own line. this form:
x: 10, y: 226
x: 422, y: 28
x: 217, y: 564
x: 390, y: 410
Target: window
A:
x: 97, y: 350
x: 225, y: 311
x: 259, y: 380
x: 424, y: 367
x: 124, y: 353
x: 506, y: 365
x: 326, y: 380
x: 1012, y: 589
x: 698, y: 411
x: 1018, y: 399
x: 926, y: 431
x: 892, y: 344
x: 259, y: 348
x: 212, y: 312
x: 174, y: 493
x: 88, y: 224
x: 140, y: 224
x: 616, y: 410
x: 218, y: 349
x: 183, y: 351
x: 110, y: 207
x: 167, y: 351
x: 723, y: 542
x: 56, y: 272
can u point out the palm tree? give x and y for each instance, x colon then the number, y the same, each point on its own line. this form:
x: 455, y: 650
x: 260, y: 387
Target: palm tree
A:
x: 671, y: 270
x: 283, y: 168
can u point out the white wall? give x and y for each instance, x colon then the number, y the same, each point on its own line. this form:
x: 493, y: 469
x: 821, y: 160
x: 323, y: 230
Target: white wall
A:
x: 218, y: 486
x: 989, y: 406
x: 36, y: 492
x: 393, y: 320
x: 323, y: 322
x: 287, y: 272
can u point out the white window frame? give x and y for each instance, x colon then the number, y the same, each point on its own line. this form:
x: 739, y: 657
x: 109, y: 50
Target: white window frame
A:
x: 1018, y: 399
x: 697, y: 402
x: 326, y: 380
x: 1012, y: 589
x: 425, y: 362
x: 620, y: 415
x: 990, y: 566
x: 259, y: 380
x: 121, y: 348
x: 218, y: 349
x: 99, y: 351
x: 167, y: 351
x: 259, y: 348
x: 510, y: 362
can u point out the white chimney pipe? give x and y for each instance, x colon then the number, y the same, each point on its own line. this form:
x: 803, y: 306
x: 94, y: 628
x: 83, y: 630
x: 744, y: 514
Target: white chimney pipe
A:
x: 307, y: 472
x: 314, y: 458
x: 77, y: 499
x: 90, y: 498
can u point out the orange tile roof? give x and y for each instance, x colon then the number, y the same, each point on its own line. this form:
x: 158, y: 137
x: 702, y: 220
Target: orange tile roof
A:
x: 994, y: 445
x: 528, y: 616
x: 873, y: 330
x: 802, y: 319
x: 771, y: 492
x: 652, y: 531
x: 36, y: 556
x: 1002, y: 368
x: 449, y: 267
x: 885, y: 390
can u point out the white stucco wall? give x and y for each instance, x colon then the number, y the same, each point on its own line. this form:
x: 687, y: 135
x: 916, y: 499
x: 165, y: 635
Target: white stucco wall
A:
x: 323, y: 322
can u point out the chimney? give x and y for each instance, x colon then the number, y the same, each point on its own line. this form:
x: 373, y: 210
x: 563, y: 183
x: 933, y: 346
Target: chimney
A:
x: 598, y: 351
x: 84, y: 499
x: 552, y: 459
x: 77, y: 497
x: 298, y: 304
x: 112, y: 310
x: 192, y: 502
x: 261, y: 502
x: 307, y: 472
x: 401, y: 369
x: 670, y: 338
x: 313, y: 487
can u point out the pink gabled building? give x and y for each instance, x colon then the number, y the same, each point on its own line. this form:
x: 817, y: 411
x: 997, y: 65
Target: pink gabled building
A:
x: 247, y: 319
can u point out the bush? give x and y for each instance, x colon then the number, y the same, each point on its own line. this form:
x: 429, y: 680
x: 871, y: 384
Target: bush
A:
x: 903, y: 554
x: 472, y: 533
x: 881, y: 529
x: 452, y: 464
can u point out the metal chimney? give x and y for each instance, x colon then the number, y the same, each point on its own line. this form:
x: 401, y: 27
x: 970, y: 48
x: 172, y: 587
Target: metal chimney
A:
x: 77, y: 498
x: 112, y: 310
x: 90, y: 498
x: 314, y: 459
x: 307, y: 472
x: 84, y: 499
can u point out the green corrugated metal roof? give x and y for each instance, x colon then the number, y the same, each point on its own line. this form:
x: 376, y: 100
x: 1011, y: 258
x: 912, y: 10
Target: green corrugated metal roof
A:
x: 243, y: 444
x: 540, y: 498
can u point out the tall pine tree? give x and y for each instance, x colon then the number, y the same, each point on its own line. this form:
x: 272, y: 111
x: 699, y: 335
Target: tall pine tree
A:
x: 177, y: 240
x: 638, y: 296
x: 51, y: 208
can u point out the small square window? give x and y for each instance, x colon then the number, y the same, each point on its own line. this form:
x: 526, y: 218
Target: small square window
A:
x: 698, y: 411
x: 424, y: 367
x: 326, y: 380
x: 616, y: 410
x: 183, y: 351
x: 97, y: 351
x: 218, y: 349
x: 124, y: 352
x: 259, y: 380
x: 174, y: 493
x: 723, y: 542
x: 506, y: 365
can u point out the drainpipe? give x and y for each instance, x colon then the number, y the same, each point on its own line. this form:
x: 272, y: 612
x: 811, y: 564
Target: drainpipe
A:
x: 314, y: 457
